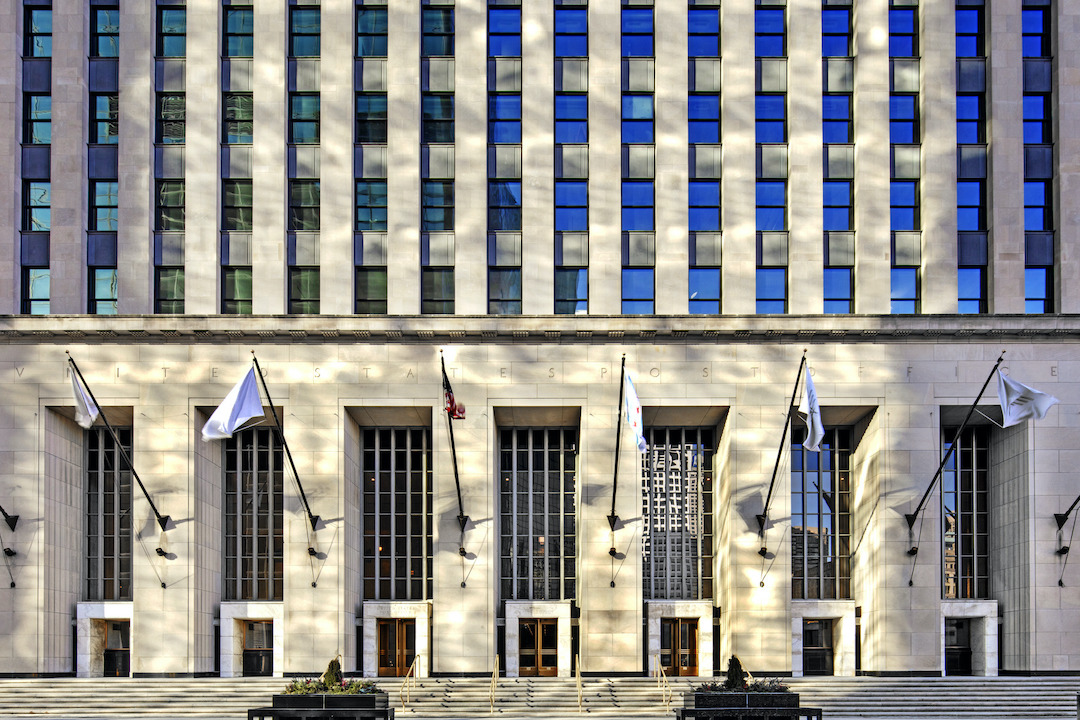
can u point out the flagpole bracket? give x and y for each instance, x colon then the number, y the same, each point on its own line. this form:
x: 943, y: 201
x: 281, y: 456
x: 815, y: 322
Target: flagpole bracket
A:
x: 163, y: 520
x: 1059, y: 518
x: 13, y: 520
x: 314, y: 520
x: 612, y: 519
x: 462, y: 521
x: 761, y: 522
x: 911, y: 518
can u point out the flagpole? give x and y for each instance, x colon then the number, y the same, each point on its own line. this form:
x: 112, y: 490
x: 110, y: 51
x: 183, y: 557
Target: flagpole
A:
x: 13, y: 520
x: 162, y: 520
x: 1060, y: 518
x: 462, y: 518
x: 780, y: 451
x: 613, y: 518
x: 313, y: 519
x: 912, y: 517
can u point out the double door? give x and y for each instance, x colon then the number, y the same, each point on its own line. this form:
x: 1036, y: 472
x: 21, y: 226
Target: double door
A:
x: 397, y: 646
x: 538, y: 653
x: 679, y: 646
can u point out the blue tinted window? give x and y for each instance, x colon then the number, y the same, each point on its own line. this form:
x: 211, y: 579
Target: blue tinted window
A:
x: 771, y: 291
x: 837, y: 290
x: 637, y: 291
x: 704, y: 115
x: 571, y: 291
x: 970, y: 290
x: 637, y: 28
x: 637, y: 219
x: 704, y: 289
x: 904, y: 290
x: 769, y: 32
x: 1037, y: 296
x: 571, y: 20
x: 703, y: 25
x: 770, y: 193
x: 704, y: 193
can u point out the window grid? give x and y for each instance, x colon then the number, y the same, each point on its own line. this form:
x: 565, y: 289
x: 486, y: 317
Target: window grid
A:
x: 303, y: 290
x: 171, y: 119
x: 108, y: 515
x: 104, y: 205
x: 372, y: 26
x: 304, y: 31
x: 239, y: 38
x: 965, y: 511
x: 104, y: 293
x: 236, y: 205
x: 37, y: 125
x: 537, y: 468
x: 239, y: 112
x: 35, y: 290
x: 172, y: 32
x: 105, y: 32
x: 169, y: 290
x: 253, y: 517
x: 37, y: 206
x: 371, y: 290
x: 304, y: 205
x: 676, y: 494
x: 821, y: 517
x: 104, y: 119
x: 170, y: 206
x: 304, y: 118
x: 236, y: 290
x: 397, y: 513
x: 371, y: 117
x: 1040, y: 240
x: 37, y: 24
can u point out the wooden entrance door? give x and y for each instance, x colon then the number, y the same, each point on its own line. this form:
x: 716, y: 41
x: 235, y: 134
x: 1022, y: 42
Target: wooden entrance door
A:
x: 679, y: 646
x: 397, y: 646
x: 539, y: 647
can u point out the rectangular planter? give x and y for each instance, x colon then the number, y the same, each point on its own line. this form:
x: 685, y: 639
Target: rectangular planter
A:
x: 332, y: 701
x: 746, y: 700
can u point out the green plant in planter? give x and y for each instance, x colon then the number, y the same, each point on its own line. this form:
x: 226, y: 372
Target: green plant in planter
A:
x: 331, y: 683
x: 737, y: 682
x: 736, y: 676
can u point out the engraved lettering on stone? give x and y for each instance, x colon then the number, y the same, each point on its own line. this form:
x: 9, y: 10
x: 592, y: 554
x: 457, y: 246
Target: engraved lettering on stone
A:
x: 367, y: 372
x: 551, y: 372
x: 603, y: 372
x: 704, y: 372
x: 318, y: 372
x: 20, y: 370
x: 502, y: 372
x: 409, y: 373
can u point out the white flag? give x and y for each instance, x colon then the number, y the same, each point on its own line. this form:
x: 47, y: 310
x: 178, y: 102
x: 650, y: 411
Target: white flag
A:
x: 240, y: 405
x: 633, y: 413
x: 1020, y: 402
x: 808, y: 406
x: 86, y: 410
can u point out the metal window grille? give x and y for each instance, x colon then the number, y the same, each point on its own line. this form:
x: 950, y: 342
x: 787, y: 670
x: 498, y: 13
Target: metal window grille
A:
x: 965, y: 505
x: 821, y: 517
x: 537, y: 469
x: 397, y: 511
x: 108, y: 516
x: 254, y: 542
x: 676, y: 494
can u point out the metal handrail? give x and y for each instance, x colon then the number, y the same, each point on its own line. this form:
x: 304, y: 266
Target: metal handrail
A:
x: 407, y: 686
x: 494, y: 682
x: 662, y: 684
x: 580, y: 691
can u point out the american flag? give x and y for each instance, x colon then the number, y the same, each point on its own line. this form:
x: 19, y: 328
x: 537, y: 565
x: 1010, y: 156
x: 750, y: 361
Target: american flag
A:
x: 453, y: 409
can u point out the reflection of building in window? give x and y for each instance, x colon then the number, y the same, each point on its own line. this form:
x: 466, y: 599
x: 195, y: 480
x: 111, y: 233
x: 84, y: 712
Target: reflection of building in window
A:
x: 965, y: 512
x: 821, y: 517
x: 676, y: 497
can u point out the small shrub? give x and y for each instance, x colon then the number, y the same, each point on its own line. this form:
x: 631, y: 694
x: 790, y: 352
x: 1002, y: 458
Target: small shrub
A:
x: 736, y: 676
x: 331, y: 683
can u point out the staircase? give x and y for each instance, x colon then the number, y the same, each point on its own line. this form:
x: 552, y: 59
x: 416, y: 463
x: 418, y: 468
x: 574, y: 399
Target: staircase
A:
x: 1009, y: 698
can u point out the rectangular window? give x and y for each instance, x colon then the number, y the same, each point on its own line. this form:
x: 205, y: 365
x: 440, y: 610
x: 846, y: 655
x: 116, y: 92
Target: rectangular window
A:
x: 838, y: 211
x: 704, y: 291
x: 108, y: 515
x: 104, y: 205
x: 971, y: 290
x: 771, y: 290
x: 236, y: 205
x: 304, y: 118
x: 571, y: 206
x: 104, y: 114
x: 437, y: 118
x: 904, y: 205
x: 703, y: 28
x: 239, y: 31
x: 371, y: 30
x: 971, y: 205
x: 904, y: 119
x: 437, y: 208
x: 903, y: 31
x: 1038, y: 289
x: 172, y: 32
x: 371, y: 117
x: 637, y: 118
x: 638, y: 291
x: 237, y: 128
x: 1035, y: 25
x: 303, y: 291
x: 704, y: 198
x: 504, y: 118
x: 571, y: 291
x: 304, y: 31
x: 37, y: 206
x: 676, y: 514
x: 703, y: 112
x: 437, y: 290
x: 821, y: 516
x: 437, y: 32
x: 371, y: 291
x: 253, y: 486
x: 1038, y: 211
x: 396, y: 535
x: 37, y: 123
x: 904, y: 283
x: 637, y: 32
x: 836, y: 31
x: 971, y: 119
x: 171, y: 118
x: 571, y: 32
x: 504, y: 290
x: 537, y: 501
x: 571, y: 118
x: 504, y: 205
x: 38, y: 32
x: 105, y: 32
x: 371, y: 205
x: 770, y: 38
x: 836, y: 118
x: 169, y: 291
x: 236, y: 290
x: 839, y: 287
x: 969, y: 32
x: 35, y: 291
x: 638, y: 206
x: 104, y: 292
x: 170, y: 206
x: 304, y: 205
x: 771, y: 201
x: 1038, y: 128
x: 770, y: 118
x: 504, y: 32
x: 965, y: 512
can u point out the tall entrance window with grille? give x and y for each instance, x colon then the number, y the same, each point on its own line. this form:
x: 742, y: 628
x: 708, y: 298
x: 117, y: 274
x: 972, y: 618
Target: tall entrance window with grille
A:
x: 677, y: 540
x: 821, y: 517
x: 537, y: 475
x: 965, y: 514
x: 108, y: 516
x: 254, y: 542
x: 397, y: 513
